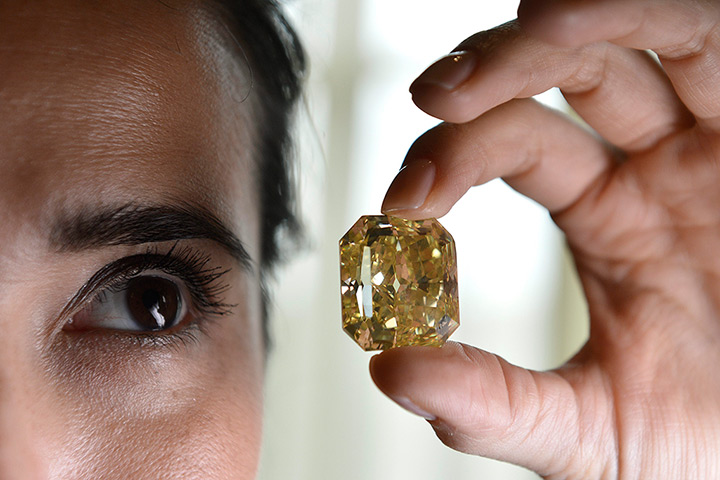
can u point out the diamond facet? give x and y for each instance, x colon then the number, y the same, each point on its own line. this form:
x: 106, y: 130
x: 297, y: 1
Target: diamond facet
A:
x: 398, y: 282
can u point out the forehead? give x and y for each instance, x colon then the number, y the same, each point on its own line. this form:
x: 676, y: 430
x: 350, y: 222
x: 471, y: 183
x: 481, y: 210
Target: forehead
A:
x: 111, y: 101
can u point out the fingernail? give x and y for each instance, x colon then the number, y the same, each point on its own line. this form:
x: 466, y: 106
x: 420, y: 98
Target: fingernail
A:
x: 449, y: 72
x: 412, y: 408
x: 410, y: 188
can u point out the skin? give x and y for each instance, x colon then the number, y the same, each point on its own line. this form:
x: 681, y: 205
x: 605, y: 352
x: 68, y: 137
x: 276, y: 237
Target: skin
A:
x: 638, y: 201
x: 105, y: 103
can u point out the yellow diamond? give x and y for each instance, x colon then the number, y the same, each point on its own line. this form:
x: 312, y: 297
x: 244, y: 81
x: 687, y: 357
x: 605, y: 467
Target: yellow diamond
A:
x: 398, y: 282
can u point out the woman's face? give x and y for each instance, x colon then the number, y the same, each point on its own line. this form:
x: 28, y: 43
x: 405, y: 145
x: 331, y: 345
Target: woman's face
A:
x: 130, y: 311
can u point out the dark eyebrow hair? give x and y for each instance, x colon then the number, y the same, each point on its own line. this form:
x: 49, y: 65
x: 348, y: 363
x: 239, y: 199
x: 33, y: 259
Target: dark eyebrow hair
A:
x: 134, y: 224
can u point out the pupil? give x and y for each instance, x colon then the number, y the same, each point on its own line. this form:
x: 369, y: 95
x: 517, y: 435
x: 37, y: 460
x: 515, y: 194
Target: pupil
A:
x: 152, y: 299
x: 153, y: 302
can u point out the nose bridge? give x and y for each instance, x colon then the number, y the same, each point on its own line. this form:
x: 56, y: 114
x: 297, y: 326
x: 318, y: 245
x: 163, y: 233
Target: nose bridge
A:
x: 19, y: 451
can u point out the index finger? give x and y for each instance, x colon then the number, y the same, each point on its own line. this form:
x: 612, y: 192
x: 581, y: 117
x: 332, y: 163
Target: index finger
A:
x: 685, y: 34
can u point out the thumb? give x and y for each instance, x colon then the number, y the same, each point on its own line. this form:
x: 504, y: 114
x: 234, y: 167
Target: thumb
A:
x: 558, y: 424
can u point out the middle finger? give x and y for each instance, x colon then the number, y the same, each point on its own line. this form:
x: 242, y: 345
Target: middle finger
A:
x: 621, y: 93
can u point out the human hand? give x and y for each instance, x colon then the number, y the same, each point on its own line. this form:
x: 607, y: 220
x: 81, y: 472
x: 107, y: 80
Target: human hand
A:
x: 639, y: 202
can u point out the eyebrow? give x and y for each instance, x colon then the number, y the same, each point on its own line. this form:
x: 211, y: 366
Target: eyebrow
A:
x: 133, y: 224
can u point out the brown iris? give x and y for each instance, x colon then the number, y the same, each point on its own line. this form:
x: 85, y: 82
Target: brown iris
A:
x: 153, y: 302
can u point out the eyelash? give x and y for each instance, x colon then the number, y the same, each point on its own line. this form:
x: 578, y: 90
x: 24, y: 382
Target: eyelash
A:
x: 205, y: 285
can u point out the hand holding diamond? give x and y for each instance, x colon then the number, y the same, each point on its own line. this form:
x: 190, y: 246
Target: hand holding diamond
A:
x: 639, y: 202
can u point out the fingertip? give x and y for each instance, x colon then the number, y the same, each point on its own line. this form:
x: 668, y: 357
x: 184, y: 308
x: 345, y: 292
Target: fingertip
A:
x: 410, y: 188
x: 396, y: 369
x: 449, y: 72
x: 383, y: 368
x: 438, y: 90
x: 442, y: 91
x: 415, y: 214
x: 393, y: 368
x: 371, y: 367
x: 399, y: 374
x: 424, y: 97
x: 424, y: 188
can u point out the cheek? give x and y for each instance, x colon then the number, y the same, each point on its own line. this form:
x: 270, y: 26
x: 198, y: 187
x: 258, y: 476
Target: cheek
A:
x: 193, y: 426
x: 191, y: 411
x: 216, y: 438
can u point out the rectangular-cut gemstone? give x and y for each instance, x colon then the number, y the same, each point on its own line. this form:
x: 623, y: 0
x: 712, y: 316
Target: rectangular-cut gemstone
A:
x: 398, y: 282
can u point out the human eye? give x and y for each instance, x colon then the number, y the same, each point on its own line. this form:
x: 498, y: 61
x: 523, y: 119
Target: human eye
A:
x: 151, y: 296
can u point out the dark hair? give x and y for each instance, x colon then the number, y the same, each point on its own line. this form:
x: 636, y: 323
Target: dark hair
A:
x: 277, y: 62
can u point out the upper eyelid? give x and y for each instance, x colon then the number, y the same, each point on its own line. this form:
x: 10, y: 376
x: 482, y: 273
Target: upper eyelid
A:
x: 109, y: 273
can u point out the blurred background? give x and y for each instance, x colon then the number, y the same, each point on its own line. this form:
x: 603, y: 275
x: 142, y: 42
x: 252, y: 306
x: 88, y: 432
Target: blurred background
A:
x: 519, y: 297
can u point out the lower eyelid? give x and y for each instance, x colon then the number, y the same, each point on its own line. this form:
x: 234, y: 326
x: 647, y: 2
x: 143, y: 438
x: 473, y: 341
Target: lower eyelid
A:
x: 201, y: 285
x: 185, y: 335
